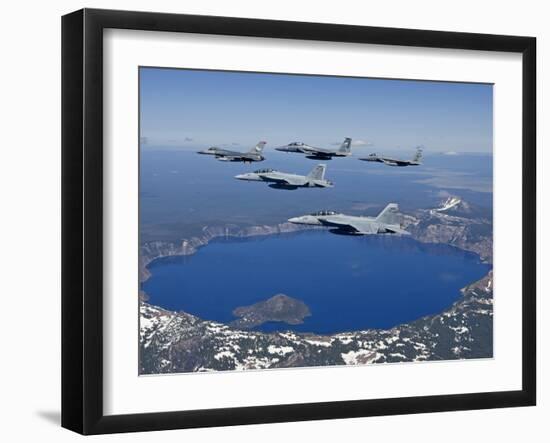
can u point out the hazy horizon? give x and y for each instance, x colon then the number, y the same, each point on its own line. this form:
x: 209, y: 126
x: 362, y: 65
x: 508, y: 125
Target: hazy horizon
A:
x: 193, y: 109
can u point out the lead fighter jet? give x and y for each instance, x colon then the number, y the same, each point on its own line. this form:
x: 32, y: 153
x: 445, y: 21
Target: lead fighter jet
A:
x: 254, y: 155
x: 284, y: 180
x: 387, y: 222
x: 395, y: 162
x: 318, y: 153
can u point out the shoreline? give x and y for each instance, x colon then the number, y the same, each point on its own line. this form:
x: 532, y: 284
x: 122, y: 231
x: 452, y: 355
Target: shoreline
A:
x: 161, y: 249
x: 187, y: 247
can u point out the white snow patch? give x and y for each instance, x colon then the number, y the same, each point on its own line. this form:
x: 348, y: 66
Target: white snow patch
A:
x: 289, y: 336
x: 399, y: 355
x: 451, y: 202
x: 326, y: 344
x: 223, y: 354
x: 345, y: 340
x: 279, y: 350
x: 215, y: 328
x: 352, y: 357
x: 460, y: 329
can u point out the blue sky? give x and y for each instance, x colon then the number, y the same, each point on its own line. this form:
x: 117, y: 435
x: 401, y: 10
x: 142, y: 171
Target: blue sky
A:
x: 187, y: 109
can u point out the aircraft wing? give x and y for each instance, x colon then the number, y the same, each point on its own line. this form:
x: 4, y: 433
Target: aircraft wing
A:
x: 227, y: 158
x: 397, y: 230
x: 316, y: 151
x: 294, y: 181
x: 363, y: 227
x: 231, y: 157
x: 393, y: 162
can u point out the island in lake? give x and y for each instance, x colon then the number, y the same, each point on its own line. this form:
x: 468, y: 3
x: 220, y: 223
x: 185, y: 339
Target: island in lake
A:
x: 279, y: 308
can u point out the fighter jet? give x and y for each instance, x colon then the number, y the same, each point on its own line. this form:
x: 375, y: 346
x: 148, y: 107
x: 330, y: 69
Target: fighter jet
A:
x: 387, y: 222
x: 396, y: 162
x: 284, y: 180
x: 318, y: 153
x: 254, y: 155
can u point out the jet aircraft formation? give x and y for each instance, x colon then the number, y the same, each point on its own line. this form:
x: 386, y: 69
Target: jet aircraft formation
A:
x: 387, y: 222
x: 311, y: 152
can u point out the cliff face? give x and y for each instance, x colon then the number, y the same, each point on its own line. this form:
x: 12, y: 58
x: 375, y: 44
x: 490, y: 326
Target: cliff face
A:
x: 475, y: 235
x: 179, y: 342
x: 455, y: 222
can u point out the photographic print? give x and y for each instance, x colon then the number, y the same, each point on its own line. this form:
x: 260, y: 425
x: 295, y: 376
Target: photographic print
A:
x: 292, y: 221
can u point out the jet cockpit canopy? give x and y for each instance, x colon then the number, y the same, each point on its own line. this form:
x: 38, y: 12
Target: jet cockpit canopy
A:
x: 324, y: 213
x: 263, y: 171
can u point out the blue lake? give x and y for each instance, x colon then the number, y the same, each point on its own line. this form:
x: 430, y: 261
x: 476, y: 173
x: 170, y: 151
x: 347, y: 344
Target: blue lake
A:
x: 348, y: 282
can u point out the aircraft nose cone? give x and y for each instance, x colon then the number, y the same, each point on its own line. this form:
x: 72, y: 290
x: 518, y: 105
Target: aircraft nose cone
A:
x: 240, y: 176
x: 295, y: 219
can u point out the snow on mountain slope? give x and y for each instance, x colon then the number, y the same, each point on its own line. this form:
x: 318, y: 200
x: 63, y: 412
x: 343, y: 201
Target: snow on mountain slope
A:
x: 453, y: 205
x: 451, y: 202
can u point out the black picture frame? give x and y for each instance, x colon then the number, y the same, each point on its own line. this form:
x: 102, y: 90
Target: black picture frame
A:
x: 82, y: 218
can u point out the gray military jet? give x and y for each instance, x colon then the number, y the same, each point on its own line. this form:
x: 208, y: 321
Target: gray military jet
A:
x: 254, y: 155
x: 318, y: 153
x: 284, y: 180
x: 387, y: 222
x: 395, y: 162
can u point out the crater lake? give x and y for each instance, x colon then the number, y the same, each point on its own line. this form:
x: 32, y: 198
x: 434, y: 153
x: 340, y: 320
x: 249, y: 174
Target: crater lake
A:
x: 348, y: 282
